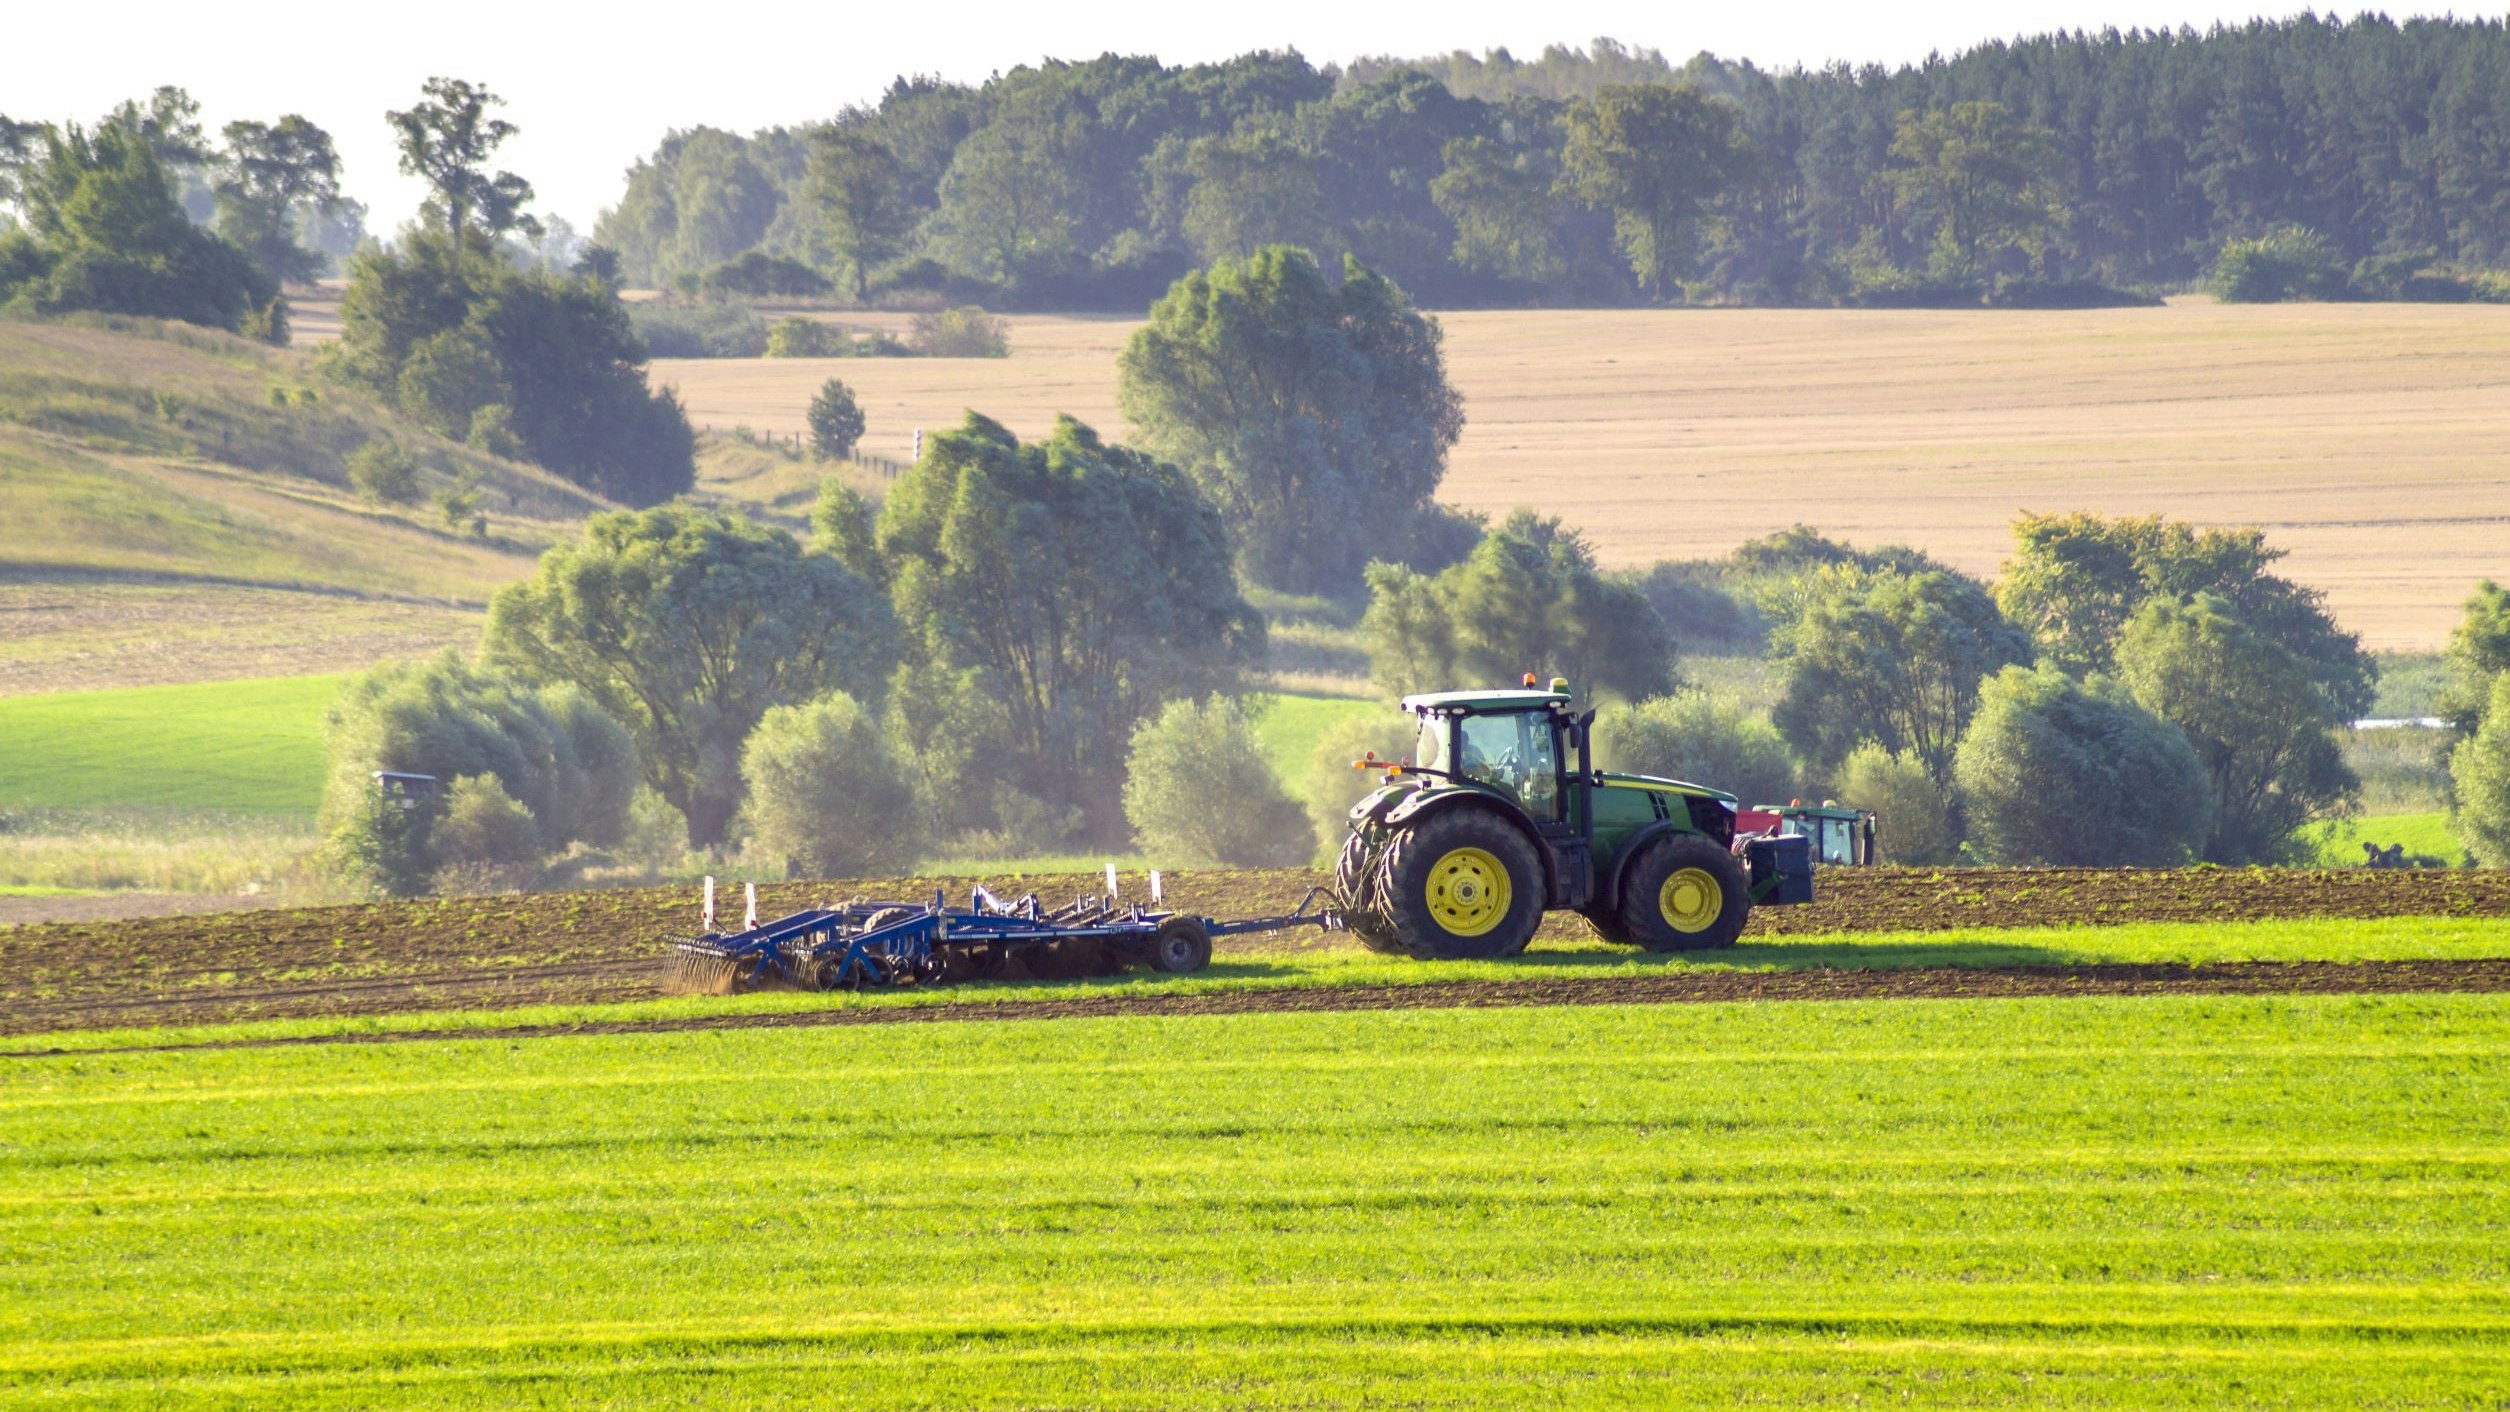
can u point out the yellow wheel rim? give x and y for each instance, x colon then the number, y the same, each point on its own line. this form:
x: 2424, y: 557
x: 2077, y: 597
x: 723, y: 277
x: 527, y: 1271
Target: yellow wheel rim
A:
x: 1691, y: 900
x: 1469, y: 892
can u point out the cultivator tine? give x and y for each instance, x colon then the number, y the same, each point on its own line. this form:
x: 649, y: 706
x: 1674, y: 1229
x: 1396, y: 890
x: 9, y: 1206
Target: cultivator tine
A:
x: 695, y: 968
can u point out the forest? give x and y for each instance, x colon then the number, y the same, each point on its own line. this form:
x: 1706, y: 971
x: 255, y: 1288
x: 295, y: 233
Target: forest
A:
x: 2065, y: 168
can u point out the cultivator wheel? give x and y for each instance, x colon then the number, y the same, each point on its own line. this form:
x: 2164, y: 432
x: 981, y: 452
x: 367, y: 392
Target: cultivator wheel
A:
x: 695, y: 969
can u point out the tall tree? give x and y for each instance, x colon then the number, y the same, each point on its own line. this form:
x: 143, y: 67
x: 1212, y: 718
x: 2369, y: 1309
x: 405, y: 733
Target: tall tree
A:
x: 1894, y: 658
x: 446, y: 140
x: 1500, y: 202
x: 688, y: 626
x: 1073, y: 587
x: 271, y: 178
x: 2258, y: 720
x: 1981, y: 176
x: 1317, y: 413
x: 1656, y: 157
x: 857, y: 185
x: 2059, y: 772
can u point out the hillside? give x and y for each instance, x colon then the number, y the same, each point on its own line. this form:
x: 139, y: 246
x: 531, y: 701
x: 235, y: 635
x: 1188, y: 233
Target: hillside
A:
x: 179, y: 510
x: 2361, y: 436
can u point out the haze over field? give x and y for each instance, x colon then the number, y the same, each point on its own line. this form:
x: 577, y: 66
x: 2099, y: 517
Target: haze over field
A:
x: 2364, y: 438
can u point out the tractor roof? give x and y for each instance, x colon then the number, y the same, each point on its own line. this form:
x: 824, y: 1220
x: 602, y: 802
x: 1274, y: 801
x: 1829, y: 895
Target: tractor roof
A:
x: 1493, y: 699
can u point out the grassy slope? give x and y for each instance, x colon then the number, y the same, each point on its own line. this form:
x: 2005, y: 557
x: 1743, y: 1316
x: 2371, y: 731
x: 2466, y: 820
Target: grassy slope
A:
x: 252, y: 747
x: 2084, y: 1203
x: 149, y: 465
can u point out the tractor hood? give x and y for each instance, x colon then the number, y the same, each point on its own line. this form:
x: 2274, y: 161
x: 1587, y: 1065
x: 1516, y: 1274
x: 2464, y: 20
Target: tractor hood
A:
x: 1665, y: 786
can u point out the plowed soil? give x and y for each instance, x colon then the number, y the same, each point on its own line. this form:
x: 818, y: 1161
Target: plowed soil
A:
x: 549, y: 948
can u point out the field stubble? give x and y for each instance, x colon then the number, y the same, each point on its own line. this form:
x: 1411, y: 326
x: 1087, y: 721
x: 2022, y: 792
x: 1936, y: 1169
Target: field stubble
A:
x: 2360, y: 436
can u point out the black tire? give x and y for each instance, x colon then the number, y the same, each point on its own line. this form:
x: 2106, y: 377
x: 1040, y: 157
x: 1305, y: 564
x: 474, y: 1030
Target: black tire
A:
x: 1421, y: 880
x: 1181, y: 947
x: 1354, y: 887
x: 1665, y: 902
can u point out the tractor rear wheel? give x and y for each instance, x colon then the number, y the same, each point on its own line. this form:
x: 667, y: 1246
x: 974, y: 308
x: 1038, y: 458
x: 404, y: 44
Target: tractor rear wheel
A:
x: 1355, y: 889
x: 1462, y: 884
x: 1180, y: 946
x: 1684, y: 893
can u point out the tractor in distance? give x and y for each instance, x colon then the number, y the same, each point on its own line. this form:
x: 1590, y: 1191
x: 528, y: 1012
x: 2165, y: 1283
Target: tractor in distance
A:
x: 1500, y: 815
x: 1841, y: 836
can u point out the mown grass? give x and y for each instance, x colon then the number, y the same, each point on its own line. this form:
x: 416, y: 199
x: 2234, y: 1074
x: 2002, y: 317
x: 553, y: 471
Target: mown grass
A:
x: 2431, y: 835
x: 1296, y: 963
x: 2302, y: 1201
x: 241, y: 747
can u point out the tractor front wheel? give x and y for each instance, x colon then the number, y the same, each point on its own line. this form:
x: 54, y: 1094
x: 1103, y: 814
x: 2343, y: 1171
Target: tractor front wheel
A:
x: 1462, y: 884
x: 1684, y: 893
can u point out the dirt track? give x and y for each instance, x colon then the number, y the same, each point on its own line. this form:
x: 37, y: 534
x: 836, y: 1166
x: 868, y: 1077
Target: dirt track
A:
x: 475, y: 953
x: 1941, y: 983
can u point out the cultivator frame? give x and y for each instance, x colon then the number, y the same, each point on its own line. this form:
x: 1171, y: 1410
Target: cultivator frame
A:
x: 868, y: 943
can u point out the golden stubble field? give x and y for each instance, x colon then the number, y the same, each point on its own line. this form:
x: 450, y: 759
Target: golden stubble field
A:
x: 2372, y: 441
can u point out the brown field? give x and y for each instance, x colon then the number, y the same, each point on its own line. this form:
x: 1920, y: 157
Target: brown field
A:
x: 2372, y: 441
x: 491, y: 952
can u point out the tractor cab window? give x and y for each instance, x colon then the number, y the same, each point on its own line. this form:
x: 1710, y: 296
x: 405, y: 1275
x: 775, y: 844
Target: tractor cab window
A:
x: 1514, y: 752
x: 1836, y: 841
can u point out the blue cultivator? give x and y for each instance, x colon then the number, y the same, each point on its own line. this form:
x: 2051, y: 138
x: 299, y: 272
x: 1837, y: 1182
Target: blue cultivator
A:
x: 866, y: 943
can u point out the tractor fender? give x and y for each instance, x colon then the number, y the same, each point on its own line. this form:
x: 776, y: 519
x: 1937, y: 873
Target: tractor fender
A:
x: 1427, y: 802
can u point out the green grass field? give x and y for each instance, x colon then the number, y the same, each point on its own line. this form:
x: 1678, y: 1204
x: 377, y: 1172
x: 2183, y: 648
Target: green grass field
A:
x: 2430, y: 835
x: 2106, y: 1203
x: 236, y: 747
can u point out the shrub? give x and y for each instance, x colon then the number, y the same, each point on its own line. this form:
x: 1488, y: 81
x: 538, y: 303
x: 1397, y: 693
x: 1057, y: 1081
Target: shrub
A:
x: 2056, y: 771
x: 1694, y: 736
x: 2287, y: 262
x: 481, y: 823
x: 828, y: 793
x: 757, y: 273
x: 2489, y: 287
x: 1333, y: 786
x: 492, y: 431
x: 1702, y: 612
x: 447, y: 377
x: 836, y: 421
x: 1916, y: 827
x: 1197, y: 791
x: 965, y: 332
x: 381, y: 471
x: 2065, y: 294
x: 798, y: 337
x: 2480, y: 767
x: 672, y: 330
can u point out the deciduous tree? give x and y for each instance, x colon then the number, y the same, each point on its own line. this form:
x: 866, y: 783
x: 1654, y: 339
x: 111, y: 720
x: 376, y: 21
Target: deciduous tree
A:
x: 2071, y: 774
x: 1656, y: 156
x: 1894, y: 658
x: 446, y: 140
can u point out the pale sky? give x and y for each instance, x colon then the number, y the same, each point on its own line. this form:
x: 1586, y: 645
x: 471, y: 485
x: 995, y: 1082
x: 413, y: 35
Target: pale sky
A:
x: 594, y: 87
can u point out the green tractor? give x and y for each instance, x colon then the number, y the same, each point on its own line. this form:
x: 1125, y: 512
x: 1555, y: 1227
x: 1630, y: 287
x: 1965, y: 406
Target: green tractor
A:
x: 1500, y: 816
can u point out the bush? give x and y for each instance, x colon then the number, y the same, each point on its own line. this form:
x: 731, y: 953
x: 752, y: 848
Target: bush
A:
x: 828, y: 793
x: 672, y: 330
x: 2480, y: 767
x: 965, y: 332
x: 447, y: 377
x: 2489, y: 287
x: 798, y: 337
x: 1198, y: 793
x: 2287, y: 262
x: 482, y: 824
x: 1692, y: 598
x: 836, y: 421
x: 2073, y: 774
x: 757, y: 273
x: 381, y: 471
x: 1915, y: 826
x: 564, y: 761
x: 1333, y: 786
x: 1696, y: 737
x: 2065, y: 294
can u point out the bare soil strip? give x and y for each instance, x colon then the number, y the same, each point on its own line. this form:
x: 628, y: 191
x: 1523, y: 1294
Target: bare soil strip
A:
x: 471, y: 953
x: 1940, y: 983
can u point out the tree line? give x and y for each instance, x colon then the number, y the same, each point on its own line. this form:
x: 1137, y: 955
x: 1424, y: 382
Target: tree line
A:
x: 2050, y: 169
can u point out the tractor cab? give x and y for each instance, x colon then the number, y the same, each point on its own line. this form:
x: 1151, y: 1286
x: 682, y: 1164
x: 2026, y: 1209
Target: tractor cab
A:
x: 1510, y: 742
